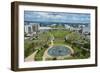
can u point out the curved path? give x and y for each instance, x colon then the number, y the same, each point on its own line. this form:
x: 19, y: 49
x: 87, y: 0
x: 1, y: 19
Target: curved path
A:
x: 31, y: 57
x: 45, y: 53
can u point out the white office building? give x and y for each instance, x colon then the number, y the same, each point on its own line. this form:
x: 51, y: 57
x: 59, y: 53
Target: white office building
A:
x: 31, y: 28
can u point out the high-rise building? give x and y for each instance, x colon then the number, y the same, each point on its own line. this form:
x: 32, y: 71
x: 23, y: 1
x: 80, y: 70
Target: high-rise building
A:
x: 31, y: 28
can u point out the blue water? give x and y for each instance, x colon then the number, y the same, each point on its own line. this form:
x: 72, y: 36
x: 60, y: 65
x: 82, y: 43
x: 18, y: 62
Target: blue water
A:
x: 59, y: 51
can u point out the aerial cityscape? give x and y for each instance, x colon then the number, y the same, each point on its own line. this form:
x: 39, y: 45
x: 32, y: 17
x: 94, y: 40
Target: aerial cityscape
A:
x: 52, y: 36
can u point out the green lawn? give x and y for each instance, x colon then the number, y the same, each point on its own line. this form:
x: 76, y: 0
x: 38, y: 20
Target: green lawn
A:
x: 59, y: 33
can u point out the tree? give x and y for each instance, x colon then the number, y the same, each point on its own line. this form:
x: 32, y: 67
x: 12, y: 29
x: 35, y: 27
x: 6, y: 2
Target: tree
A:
x: 46, y: 46
x: 86, y: 45
x: 72, y: 37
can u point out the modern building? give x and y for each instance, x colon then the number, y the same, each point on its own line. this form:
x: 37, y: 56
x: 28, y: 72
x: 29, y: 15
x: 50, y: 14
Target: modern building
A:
x: 67, y: 26
x: 31, y: 28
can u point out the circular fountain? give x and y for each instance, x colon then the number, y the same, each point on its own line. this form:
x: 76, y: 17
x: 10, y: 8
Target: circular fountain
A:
x: 57, y: 51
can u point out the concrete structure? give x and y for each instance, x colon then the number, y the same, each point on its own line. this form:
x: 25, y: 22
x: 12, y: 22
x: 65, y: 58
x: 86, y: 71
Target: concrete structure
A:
x: 31, y: 28
x: 67, y: 26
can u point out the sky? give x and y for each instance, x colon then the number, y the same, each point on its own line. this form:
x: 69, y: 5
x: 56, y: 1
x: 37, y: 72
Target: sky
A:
x: 62, y: 17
